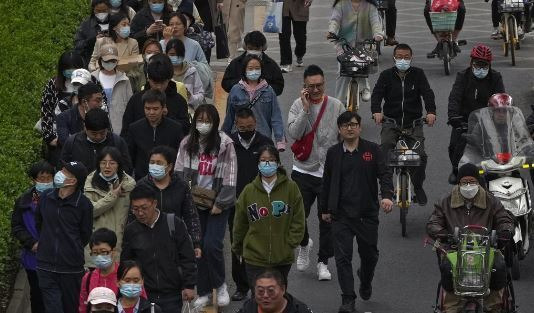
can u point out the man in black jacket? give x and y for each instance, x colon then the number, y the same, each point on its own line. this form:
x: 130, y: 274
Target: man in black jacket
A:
x: 471, y: 91
x: 85, y: 145
x: 255, y: 43
x: 159, y: 73
x: 64, y: 220
x: 153, y: 130
x: 247, y: 141
x: 159, y: 242
x: 349, y: 200
x: 402, y: 87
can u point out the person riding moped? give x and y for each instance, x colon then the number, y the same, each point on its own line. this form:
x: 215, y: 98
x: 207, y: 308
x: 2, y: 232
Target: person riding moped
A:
x: 471, y: 91
x: 470, y: 204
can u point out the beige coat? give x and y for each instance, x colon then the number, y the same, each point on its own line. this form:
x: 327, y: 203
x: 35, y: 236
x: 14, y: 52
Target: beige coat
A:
x: 109, y: 211
x: 297, y: 10
x: 125, y: 49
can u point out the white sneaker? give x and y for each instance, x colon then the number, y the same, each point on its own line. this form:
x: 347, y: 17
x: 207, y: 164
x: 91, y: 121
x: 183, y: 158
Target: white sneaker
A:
x: 201, y: 302
x: 322, y: 271
x: 496, y: 34
x: 303, y: 259
x: 223, y: 298
x: 366, y: 94
x: 240, y: 49
x: 520, y: 32
x: 286, y: 68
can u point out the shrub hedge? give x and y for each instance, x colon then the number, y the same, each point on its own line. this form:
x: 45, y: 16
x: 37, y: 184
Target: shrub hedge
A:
x: 34, y: 33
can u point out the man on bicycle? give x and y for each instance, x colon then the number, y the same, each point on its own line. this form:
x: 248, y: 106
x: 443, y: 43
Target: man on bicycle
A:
x: 471, y: 204
x: 471, y: 91
x: 402, y: 87
x: 460, y: 17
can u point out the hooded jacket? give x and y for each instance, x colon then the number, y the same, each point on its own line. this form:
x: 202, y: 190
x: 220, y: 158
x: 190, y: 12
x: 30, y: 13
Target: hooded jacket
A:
x: 293, y: 306
x: 268, y: 227
x: 193, y: 83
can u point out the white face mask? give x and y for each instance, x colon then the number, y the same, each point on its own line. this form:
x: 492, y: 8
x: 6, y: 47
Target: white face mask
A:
x: 102, y: 17
x: 203, y: 128
x: 469, y: 191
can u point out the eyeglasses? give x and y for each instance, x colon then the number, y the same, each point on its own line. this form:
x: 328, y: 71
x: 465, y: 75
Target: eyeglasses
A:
x: 138, y: 209
x: 108, y: 163
x: 100, y: 253
x: 468, y: 183
x: 481, y: 66
x: 271, y: 291
x: 349, y: 125
x: 314, y: 86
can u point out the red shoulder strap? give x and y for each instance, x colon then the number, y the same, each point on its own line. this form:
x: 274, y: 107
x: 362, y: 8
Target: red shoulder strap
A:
x: 323, y: 107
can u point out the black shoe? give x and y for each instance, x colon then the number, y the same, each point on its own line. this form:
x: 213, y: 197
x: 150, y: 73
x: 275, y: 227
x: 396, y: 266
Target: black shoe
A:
x: 420, y: 196
x: 239, y: 295
x: 435, y: 51
x: 365, y: 291
x: 453, y: 180
x: 348, y: 305
x: 455, y: 47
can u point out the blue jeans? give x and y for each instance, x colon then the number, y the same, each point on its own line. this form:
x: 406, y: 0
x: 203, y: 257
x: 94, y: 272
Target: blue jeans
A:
x: 211, y: 264
x: 60, y: 291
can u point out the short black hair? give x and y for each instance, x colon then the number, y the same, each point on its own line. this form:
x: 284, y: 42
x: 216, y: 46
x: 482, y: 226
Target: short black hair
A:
x: 272, y: 151
x: 143, y: 191
x: 103, y: 235
x: 346, y: 116
x: 177, y: 45
x: 153, y: 95
x: 96, y: 119
x: 271, y: 273
x: 402, y: 46
x: 167, y: 152
x: 85, y: 92
x: 244, y: 113
x: 159, y: 68
x: 313, y: 70
x: 125, y: 267
x: 39, y: 167
x: 255, y: 39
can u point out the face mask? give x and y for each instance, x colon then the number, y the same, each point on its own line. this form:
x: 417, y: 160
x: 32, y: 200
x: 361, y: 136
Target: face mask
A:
x: 130, y: 290
x: 480, y: 73
x: 176, y: 60
x: 102, y: 261
x: 68, y: 73
x: 40, y: 187
x: 469, y: 191
x: 204, y: 128
x: 101, y: 17
x: 246, y: 135
x: 115, y: 3
x: 124, y: 32
x: 109, y: 66
x: 267, y: 169
x: 59, y: 179
x: 148, y: 56
x: 402, y: 64
x: 253, y: 75
x: 255, y: 52
x: 110, y: 178
x: 156, y: 7
x: 156, y: 171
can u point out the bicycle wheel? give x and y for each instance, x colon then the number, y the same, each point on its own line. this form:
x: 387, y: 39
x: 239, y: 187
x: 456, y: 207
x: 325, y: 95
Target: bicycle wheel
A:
x: 512, y: 36
x: 504, y: 31
x: 446, y: 53
x: 403, y: 207
x: 353, y: 97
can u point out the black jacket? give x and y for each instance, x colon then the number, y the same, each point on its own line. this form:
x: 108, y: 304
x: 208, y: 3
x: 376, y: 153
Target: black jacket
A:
x: 78, y: 148
x: 271, y: 72
x: 176, y: 106
x: 144, y: 306
x: 530, y: 121
x: 293, y: 306
x: 140, y: 23
x: 176, y: 198
x: 65, y: 226
x: 469, y: 93
x: 142, y: 137
x: 376, y: 169
x: 68, y: 123
x: 85, y: 39
x: 168, y: 263
x: 402, y: 97
x: 18, y: 228
x: 248, y: 159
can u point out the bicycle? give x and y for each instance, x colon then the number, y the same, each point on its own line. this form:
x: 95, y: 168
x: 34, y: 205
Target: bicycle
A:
x: 443, y: 26
x: 401, y: 159
x: 356, y: 62
x: 508, y: 10
x: 382, y: 7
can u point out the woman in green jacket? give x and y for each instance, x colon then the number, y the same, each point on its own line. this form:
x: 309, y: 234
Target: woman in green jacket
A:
x: 269, y: 218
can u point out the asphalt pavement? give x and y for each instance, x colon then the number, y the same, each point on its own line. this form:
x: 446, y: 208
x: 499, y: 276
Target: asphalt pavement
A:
x: 407, y: 274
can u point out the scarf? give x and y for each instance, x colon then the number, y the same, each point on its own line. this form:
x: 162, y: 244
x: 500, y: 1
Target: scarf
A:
x: 252, y: 90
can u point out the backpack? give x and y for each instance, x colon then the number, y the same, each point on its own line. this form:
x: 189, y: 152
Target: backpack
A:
x: 204, y: 38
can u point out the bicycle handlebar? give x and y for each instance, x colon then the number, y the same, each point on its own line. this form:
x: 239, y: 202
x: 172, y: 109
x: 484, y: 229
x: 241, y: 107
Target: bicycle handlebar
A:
x: 392, y: 121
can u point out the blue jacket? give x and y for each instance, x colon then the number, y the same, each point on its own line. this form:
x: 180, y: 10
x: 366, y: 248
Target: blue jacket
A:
x: 266, y: 110
x: 68, y: 123
x: 64, y: 226
x: 23, y: 226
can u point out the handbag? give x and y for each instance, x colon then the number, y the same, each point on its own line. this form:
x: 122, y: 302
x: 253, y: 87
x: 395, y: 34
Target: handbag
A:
x: 221, y: 40
x: 202, y: 197
x: 273, y: 18
x: 302, y: 148
x: 204, y: 38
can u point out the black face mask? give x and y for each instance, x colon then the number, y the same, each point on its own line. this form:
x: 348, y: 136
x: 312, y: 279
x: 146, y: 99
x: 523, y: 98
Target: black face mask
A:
x: 246, y: 135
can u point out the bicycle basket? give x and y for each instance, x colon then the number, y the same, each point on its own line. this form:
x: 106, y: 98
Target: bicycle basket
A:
x: 403, y: 157
x: 382, y: 4
x: 511, y: 6
x: 443, y: 21
x: 355, y: 63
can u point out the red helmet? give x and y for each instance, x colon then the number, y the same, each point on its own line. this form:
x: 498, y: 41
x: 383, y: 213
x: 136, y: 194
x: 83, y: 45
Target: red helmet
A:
x: 500, y: 100
x: 482, y: 52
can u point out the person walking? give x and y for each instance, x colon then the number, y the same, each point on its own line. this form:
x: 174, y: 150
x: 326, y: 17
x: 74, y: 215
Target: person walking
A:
x: 295, y: 13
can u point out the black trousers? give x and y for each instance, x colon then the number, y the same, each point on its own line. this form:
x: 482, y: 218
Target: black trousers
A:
x: 366, y: 232
x: 253, y: 271
x: 204, y: 11
x: 391, y: 18
x: 456, y: 148
x: 239, y: 272
x: 299, y: 32
x: 60, y: 292
x: 36, y: 299
x: 460, y: 17
x: 310, y: 189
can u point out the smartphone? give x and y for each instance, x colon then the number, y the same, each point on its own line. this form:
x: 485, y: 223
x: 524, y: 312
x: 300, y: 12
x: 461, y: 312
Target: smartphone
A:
x: 159, y: 22
x: 306, y: 92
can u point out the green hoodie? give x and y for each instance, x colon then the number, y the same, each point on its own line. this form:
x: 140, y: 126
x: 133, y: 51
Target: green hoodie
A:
x: 267, y: 227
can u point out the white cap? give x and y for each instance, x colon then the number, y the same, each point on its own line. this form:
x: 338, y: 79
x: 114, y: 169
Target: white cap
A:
x: 80, y: 76
x: 102, y: 295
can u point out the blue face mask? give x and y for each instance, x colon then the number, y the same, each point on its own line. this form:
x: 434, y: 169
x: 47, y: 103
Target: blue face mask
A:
x: 402, y: 64
x: 40, y: 187
x: 68, y: 73
x: 59, y: 179
x: 124, y: 32
x: 267, y: 169
x: 102, y: 261
x: 176, y: 60
x: 108, y: 179
x: 157, y: 7
x: 253, y: 75
x: 130, y: 290
x: 156, y: 171
x: 115, y: 3
x: 480, y: 73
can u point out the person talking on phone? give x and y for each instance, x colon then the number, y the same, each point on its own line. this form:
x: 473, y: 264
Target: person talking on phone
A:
x: 150, y: 21
x: 308, y: 172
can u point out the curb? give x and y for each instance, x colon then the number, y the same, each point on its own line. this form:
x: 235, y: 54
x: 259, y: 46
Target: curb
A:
x: 20, y: 299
